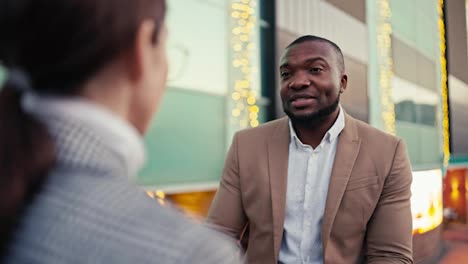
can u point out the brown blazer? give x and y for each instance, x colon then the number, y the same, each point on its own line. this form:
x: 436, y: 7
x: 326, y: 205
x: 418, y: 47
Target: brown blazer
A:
x: 367, y: 215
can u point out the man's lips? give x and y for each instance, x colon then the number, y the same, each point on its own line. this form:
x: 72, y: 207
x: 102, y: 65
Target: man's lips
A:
x: 301, y: 101
x: 301, y: 96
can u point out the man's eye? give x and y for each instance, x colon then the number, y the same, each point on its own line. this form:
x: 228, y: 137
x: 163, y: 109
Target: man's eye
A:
x: 315, y: 69
x: 285, y: 74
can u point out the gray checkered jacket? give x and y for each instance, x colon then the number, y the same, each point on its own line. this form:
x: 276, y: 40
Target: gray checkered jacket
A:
x: 89, y: 212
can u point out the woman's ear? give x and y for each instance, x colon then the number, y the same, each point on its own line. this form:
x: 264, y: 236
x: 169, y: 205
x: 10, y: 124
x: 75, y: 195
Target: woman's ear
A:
x: 141, y: 54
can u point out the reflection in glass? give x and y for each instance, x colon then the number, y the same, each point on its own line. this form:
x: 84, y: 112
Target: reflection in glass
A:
x: 414, y: 104
x: 409, y: 111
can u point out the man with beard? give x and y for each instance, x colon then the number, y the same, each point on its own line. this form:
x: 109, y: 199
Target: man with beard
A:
x: 317, y: 186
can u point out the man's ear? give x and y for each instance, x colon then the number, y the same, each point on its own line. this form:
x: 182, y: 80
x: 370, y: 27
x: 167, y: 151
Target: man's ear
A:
x: 343, y: 83
x: 141, y: 53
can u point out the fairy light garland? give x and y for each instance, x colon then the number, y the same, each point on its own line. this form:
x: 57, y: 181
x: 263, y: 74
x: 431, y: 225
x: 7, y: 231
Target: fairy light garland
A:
x: 244, y: 108
x: 384, y: 46
x: 444, y: 88
x: 158, y: 195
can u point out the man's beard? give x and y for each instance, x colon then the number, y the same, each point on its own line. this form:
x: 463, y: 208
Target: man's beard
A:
x: 313, y: 118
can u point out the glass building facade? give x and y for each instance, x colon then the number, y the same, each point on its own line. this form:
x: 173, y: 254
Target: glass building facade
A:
x: 212, y: 91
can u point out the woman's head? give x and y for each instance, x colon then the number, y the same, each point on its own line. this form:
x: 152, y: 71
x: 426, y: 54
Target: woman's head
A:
x: 109, y: 51
x: 63, y: 44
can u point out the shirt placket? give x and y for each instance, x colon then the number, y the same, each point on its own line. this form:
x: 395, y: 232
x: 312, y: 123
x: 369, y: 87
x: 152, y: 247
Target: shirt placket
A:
x: 306, y: 240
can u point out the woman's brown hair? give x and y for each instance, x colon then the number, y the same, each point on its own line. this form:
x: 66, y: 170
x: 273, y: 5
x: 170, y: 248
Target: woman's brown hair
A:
x: 57, y: 44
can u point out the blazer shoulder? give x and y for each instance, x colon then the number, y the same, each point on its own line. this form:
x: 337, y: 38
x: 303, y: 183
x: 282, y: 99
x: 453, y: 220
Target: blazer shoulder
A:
x: 374, y: 135
x: 380, y: 147
x: 264, y: 130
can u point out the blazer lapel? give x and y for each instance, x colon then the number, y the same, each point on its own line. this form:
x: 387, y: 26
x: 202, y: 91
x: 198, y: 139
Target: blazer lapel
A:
x: 346, y: 153
x: 278, y: 151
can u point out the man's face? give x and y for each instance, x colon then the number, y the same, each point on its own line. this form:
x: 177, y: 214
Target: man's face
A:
x: 311, y: 80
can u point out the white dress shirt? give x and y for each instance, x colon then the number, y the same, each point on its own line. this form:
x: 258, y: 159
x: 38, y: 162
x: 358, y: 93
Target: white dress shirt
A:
x: 309, y: 173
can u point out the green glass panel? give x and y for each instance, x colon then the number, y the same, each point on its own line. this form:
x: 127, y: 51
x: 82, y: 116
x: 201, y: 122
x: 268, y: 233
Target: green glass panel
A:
x: 423, y: 144
x: 416, y: 22
x: 186, y: 143
x: 2, y: 75
x: 459, y: 160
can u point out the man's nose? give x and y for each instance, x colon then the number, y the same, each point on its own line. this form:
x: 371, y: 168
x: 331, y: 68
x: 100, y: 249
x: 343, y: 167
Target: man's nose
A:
x: 299, y: 81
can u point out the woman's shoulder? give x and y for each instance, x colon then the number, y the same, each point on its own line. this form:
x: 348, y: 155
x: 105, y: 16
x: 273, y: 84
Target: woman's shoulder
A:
x: 107, y: 218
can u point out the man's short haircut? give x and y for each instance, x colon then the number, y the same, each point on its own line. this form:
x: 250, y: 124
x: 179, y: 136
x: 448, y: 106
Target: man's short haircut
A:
x: 337, y: 49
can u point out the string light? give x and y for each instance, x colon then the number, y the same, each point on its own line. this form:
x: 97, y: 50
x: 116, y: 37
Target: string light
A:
x: 158, y: 195
x: 384, y: 46
x: 245, y: 109
x: 444, y: 88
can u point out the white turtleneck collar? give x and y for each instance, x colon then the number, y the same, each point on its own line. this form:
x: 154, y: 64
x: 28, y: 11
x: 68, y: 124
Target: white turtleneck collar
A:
x: 120, y: 135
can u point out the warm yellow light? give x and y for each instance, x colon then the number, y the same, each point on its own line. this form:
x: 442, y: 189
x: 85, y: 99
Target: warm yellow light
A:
x: 384, y: 46
x: 454, y: 185
x: 235, y: 112
x: 160, y: 194
x: 254, y: 123
x: 426, y: 200
x: 238, y: 86
x: 245, y: 84
x: 454, y: 192
x: 235, y: 96
x: 444, y: 88
x: 251, y: 100
x: 243, y: 15
x: 254, y: 109
x: 236, y: 63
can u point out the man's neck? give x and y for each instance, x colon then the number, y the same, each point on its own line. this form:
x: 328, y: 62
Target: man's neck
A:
x: 312, y: 133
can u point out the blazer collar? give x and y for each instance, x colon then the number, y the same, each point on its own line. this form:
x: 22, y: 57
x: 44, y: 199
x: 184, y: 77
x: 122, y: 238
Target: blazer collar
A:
x: 278, y: 151
x: 346, y: 154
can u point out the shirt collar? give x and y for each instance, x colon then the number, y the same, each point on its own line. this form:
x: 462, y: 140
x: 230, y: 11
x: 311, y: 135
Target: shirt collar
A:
x: 337, y: 127
x: 331, y: 134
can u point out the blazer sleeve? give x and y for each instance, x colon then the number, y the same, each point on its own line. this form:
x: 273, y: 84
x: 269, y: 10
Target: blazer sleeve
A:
x: 227, y: 212
x: 389, y: 231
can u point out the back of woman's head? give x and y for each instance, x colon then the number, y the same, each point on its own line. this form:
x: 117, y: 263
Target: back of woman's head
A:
x: 61, y: 43
x: 58, y: 45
